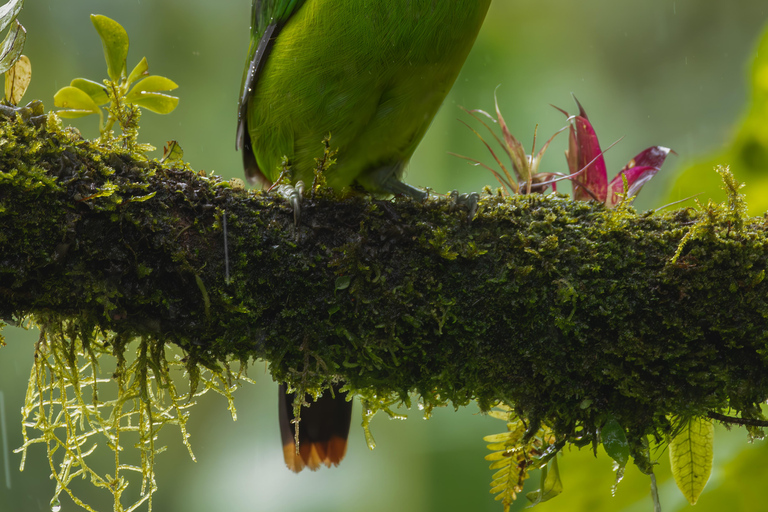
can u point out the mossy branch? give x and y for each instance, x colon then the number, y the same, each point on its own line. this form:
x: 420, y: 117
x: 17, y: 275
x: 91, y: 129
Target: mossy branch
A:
x: 568, y: 311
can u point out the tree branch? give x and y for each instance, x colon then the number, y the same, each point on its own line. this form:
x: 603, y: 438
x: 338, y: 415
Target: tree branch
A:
x: 730, y: 420
x: 570, y: 312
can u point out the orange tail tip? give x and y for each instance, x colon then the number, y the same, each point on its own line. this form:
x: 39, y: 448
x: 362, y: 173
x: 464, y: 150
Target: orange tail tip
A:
x: 313, y: 455
x: 323, y: 430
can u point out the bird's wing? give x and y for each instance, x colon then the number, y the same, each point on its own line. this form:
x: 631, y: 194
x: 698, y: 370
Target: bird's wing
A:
x: 268, y: 17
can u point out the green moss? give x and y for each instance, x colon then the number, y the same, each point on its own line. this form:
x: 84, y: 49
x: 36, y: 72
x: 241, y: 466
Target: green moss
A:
x: 541, y: 303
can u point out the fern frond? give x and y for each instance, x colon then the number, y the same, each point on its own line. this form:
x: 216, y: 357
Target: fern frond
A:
x: 511, y: 457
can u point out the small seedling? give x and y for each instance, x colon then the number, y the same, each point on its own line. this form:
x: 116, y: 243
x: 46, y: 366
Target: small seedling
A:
x: 122, y: 93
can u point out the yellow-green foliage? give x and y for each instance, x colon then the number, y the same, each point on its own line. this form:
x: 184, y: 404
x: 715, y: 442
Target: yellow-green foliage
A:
x: 690, y: 454
x: 121, y: 94
x: 733, y: 212
x: 88, y: 392
x: 515, y: 454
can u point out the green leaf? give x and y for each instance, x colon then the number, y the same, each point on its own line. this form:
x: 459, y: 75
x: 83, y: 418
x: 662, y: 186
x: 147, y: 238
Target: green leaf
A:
x: 114, y: 38
x: 551, y: 485
x: 93, y: 89
x: 614, y: 441
x: 139, y: 71
x: 343, y: 282
x: 76, y: 102
x: 8, y: 13
x: 156, y: 102
x: 690, y: 454
x: 11, y: 47
x: 151, y: 84
x: 147, y: 94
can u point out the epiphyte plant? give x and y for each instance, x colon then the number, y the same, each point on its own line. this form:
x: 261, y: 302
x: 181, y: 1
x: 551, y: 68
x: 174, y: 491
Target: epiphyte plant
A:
x: 122, y: 93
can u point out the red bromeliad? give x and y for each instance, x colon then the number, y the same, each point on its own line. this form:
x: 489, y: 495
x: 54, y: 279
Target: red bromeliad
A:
x: 587, y: 169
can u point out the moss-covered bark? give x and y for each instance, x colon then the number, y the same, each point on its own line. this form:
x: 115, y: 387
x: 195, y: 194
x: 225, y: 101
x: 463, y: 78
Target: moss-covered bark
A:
x: 569, y: 311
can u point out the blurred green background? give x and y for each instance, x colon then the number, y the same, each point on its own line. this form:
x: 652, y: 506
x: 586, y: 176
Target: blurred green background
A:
x: 672, y: 73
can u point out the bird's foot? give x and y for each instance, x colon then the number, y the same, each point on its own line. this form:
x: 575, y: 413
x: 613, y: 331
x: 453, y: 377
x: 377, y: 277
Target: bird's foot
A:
x: 293, y: 194
x: 397, y: 187
x: 469, y: 200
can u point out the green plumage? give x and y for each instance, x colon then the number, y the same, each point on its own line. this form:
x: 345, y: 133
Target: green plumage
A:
x: 372, y: 73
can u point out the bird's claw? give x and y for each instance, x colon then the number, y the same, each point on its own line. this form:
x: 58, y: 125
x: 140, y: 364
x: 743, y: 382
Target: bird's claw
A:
x: 293, y: 194
x: 469, y: 200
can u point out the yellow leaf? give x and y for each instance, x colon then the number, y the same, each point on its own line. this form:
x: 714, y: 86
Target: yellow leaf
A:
x: 499, y: 488
x: 501, y: 463
x: 690, y: 454
x: 17, y: 80
x: 172, y: 153
x: 499, y: 415
x: 497, y: 438
x: 497, y: 456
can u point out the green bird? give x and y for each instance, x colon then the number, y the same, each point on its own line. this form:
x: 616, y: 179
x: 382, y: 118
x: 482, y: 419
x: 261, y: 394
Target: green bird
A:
x: 372, y: 74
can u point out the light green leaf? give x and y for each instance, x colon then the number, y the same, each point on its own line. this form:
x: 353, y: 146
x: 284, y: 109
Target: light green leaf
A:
x: 147, y: 94
x: 139, y: 71
x: 690, y: 454
x: 151, y: 84
x: 76, y: 102
x: 11, y: 47
x: 114, y: 38
x: 17, y: 80
x: 497, y: 438
x: 93, y: 89
x: 551, y: 485
x: 8, y: 12
x: 614, y: 441
x: 156, y: 102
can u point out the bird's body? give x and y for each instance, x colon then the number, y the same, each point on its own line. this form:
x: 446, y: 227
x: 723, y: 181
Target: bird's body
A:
x: 372, y: 74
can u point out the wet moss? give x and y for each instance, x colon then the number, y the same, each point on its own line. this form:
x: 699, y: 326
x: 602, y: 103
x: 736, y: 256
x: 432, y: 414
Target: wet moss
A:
x: 540, y: 302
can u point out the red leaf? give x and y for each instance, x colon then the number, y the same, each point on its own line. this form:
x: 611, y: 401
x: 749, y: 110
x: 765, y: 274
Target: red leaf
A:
x: 652, y: 157
x: 586, y: 147
x: 638, y: 172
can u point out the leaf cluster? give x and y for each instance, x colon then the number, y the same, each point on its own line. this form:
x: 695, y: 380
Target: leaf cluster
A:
x: 121, y: 93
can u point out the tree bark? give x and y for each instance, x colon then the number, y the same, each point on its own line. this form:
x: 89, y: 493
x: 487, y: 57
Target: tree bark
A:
x: 568, y: 311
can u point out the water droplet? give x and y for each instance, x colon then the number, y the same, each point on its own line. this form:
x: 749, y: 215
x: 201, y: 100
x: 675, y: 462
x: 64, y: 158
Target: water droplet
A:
x: 55, y: 504
x: 369, y: 438
x: 619, y: 477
